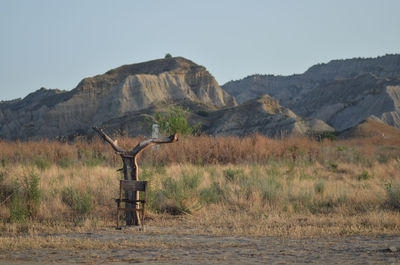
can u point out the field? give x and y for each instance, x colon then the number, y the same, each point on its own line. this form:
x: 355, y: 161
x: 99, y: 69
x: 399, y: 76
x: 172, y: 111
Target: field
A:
x: 53, y: 195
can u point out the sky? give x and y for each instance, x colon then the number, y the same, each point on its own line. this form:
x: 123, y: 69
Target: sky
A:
x: 55, y: 44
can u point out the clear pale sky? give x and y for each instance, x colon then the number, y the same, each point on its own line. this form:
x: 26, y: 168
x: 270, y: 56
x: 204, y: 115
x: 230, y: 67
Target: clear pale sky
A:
x: 54, y: 43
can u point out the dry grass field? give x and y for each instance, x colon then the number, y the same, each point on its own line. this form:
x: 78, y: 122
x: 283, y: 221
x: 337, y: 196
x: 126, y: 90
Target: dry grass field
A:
x: 255, y: 185
x: 223, y: 186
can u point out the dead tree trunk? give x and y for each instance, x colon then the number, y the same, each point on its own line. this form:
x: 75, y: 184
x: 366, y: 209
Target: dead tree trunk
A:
x: 130, y: 167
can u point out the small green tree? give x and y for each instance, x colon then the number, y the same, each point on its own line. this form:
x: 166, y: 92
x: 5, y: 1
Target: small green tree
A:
x: 168, y: 56
x: 175, y: 121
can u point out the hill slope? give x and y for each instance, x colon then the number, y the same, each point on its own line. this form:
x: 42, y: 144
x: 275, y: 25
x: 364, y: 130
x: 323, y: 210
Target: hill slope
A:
x: 117, y: 93
x: 263, y: 115
x: 342, y: 92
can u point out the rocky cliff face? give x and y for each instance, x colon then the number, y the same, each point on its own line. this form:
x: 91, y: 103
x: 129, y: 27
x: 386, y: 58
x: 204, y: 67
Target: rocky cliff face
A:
x: 342, y: 93
x: 327, y: 97
x: 123, y: 91
x: 264, y: 115
x: 345, y: 103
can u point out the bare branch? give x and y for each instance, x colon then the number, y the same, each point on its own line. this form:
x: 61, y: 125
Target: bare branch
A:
x: 153, y: 141
x: 114, y: 144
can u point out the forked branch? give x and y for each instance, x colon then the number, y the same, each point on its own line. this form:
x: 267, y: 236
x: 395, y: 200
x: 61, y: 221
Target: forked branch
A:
x: 153, y: 141
x: 140, y: 146
x: 114, y: 144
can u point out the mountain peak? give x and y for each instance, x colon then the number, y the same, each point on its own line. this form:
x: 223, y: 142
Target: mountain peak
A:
x: 174, y: 65
x: 124, y: 91
x: 155, y: 67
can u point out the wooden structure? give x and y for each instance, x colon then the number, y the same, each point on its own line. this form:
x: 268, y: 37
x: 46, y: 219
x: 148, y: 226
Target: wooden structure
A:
x: 130, y: 167
x: 131, y: 186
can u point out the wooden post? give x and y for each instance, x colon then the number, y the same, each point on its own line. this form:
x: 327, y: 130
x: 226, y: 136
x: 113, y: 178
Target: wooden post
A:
x: 130, y: 167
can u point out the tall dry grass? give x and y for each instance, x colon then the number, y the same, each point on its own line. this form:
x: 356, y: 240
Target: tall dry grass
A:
x: 201, y: 150
x: 253, y: 185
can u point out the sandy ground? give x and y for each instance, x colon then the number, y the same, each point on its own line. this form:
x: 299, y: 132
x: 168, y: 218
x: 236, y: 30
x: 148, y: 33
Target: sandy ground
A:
x: 194, y: 248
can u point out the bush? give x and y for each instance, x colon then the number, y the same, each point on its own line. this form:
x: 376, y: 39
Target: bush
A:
x: 4, y: 162
x: 19, y: 210
x: 333, y: 166
x: 301, y: 200
x: 65, y: 162
x: 26, y: 199
x: 328, y: 136
x: 177, y: 196
x: 10, y: 193
x: 212, y: 194
x: 80, y: 202
x: 364, y: 176
x: 91, y: 158
x: 362, y: 159
x: 33, y: 194
x: 341, y: 148
x: 234, y: 175
x: 5, y: 189
x: 176, y: 121
x: 319, y: 187
x: 393, y: 194
x: 270, y: 189
x: 42, y: 163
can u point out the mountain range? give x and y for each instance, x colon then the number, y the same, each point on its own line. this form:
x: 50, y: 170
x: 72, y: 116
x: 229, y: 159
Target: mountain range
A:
x: 335, y: 96
x: 341, y: 93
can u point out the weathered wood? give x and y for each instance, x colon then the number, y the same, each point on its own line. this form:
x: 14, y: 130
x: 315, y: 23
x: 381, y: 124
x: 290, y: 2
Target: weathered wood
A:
x: 134, y: 186
x: 130, y: 166
x: 114, y: 144
x: 137, y: 185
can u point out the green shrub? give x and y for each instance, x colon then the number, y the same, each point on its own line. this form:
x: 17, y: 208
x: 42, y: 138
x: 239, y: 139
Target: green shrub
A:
x: 341, y: 148
x: 80, y: 202
x: 304, y: 176
x: 273, y: 171
x: 212, y: 194
x: 178, y: 196
x: 234, y: 175
x: 33, y: 194
x: 383, y: 158
x: 91, y: 158
x: 19, y: 209
x: 270, y: 189
x: 360, y: 158
x: 393, y: 194
x: 333, y: 166
x: 176, y: 121
x: 65, y: 162
x: 301, y: 200
x: 328, y: 136
x: 26, y: 199
x: 364, y: 176
x: 4, y: 162
x: 325, y: 205
x: 319, y: 186
x: 42, y: 163
x: 240, y: 185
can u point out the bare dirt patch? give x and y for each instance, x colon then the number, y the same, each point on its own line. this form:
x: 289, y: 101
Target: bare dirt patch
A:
x: 186, y: 246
